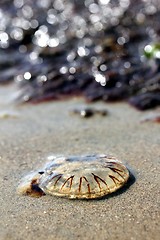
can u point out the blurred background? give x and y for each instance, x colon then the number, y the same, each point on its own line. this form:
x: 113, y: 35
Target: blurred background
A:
x: 105, y: 50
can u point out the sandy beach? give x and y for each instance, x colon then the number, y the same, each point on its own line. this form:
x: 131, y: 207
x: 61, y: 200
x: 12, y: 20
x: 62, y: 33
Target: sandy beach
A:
x: 38, y: 130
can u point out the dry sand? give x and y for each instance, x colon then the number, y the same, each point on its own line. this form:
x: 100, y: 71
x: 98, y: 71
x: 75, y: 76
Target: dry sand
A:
x: 132, y: 214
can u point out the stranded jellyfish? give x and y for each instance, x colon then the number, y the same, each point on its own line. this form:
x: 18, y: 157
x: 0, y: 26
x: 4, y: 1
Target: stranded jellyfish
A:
x: 76, y: 177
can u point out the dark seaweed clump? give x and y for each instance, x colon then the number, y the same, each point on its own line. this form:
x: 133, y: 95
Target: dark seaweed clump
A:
x: 103, y: 50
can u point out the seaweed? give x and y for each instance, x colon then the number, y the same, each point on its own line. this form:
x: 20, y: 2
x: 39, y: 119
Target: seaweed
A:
x: 105, y: 51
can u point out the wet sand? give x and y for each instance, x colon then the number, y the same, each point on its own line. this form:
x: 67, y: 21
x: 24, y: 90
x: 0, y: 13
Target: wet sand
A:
x: 132, y: 213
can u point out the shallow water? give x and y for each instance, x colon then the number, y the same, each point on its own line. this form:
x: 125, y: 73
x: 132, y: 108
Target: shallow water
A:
x: 101, y: 50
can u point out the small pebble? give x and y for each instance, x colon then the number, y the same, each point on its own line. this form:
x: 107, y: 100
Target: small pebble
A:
x: 4, y: 114
x: 151, y: 118
x: 87, y: 112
